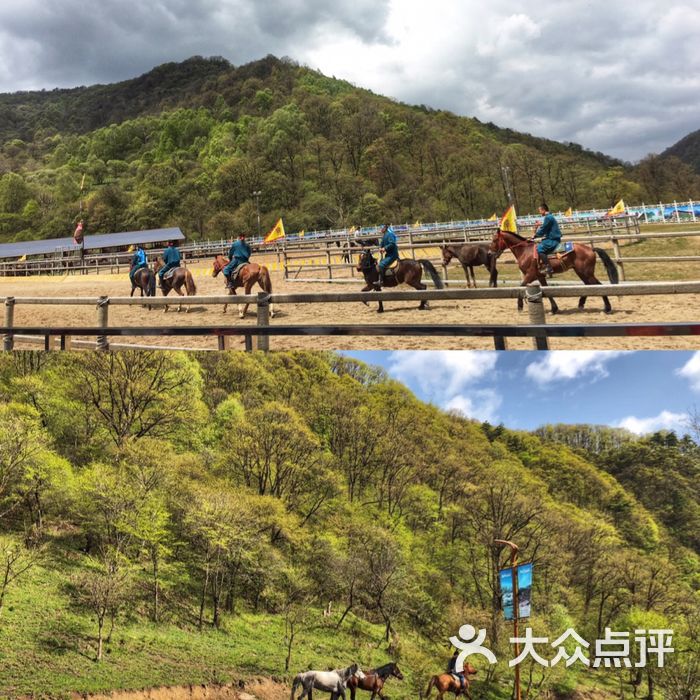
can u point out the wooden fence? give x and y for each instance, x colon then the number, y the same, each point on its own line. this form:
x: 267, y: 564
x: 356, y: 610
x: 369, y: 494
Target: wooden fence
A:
x: 532, y: 294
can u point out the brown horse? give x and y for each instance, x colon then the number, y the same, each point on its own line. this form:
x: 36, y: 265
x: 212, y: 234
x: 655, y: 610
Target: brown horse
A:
x: 447, y: 683
x: 145, y: 281
x: 470, y: 255
x: 181, y: 276
x: 374, y: 680
x: 582, y: 260
x: 407, y: 272
x: 248, y: 275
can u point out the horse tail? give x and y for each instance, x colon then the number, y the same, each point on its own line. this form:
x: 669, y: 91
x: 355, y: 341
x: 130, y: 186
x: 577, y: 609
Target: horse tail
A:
x: 265, y: 280
x: 610, y: 266
x: 295, y: 685
x: 151, y: 291
x: 190, y: 285
x: 432, y: 681
x: 430, y: 269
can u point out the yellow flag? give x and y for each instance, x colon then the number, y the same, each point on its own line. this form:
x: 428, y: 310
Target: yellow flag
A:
x: 301, y: 233
x: 276, y: 233
x: 23, y: 258
x: 568, y: 212
x: 508, y: 220
x: 493, y: 217
x: 418, y: 224
x: 619, y: 208
x: 130, y: 249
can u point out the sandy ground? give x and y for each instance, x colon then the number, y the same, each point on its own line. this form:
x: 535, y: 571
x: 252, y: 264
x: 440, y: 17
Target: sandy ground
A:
x: 628, y: 309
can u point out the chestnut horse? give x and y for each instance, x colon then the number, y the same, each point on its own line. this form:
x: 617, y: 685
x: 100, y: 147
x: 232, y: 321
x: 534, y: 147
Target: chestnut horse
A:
x: 248, y: 275
x: 447, y: 683
x: 470, y: 255
x: 181, y: 276
x: 374, y: 680
x: 407, y: 272
x: 582, y: 260
x: 145, y: 281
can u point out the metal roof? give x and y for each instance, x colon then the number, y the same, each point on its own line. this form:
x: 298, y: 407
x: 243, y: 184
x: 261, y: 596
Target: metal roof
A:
x: 95, y: 242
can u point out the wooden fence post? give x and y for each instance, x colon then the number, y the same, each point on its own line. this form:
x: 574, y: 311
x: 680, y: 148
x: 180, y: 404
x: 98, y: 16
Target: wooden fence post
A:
x: 8, y: 340
x: 263, y: 319
x: 103, y: 322
x: 618, y: 258
x: 535, y: 308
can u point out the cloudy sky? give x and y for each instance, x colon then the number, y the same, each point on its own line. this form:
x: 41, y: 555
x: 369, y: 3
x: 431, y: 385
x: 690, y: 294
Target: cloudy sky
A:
x: 641, y: 391
x: 619, y: 76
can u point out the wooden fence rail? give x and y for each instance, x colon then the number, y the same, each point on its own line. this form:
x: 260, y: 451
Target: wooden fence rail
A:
x: 533, y: 294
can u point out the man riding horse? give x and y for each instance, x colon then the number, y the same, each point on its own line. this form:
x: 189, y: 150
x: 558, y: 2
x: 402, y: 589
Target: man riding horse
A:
x: 550, y: 233
x: 171, y: 259
x: 138, y: 262
x: 239, y: 255
x: 390, y: 250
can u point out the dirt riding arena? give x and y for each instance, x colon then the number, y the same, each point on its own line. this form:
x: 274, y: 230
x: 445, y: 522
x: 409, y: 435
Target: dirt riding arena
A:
x: 643, y: 309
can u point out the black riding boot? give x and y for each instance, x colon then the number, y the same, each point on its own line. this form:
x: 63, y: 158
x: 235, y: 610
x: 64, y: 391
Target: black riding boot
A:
x: 544, y: 262
x: 380, y: 282
x: 229, y: 283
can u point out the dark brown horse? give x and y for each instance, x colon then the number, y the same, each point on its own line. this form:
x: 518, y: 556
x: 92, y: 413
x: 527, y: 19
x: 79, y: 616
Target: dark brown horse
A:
x: 249, y: 274
x: 374, y: 680
x: 470, y: 255
x: 180, y: 277
x: 581, y: 259
x: 145, y: 281
x: 407, y: 272
x: 447, y: 683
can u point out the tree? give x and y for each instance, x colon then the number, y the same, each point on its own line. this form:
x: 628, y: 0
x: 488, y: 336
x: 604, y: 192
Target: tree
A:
x: 15, y: 561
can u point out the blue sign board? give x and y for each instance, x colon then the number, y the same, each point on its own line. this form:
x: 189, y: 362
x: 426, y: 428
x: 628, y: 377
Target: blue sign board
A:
x: 505, y: 578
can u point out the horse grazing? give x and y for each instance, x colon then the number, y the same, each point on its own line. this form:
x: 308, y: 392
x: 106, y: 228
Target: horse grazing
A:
x: 248, y: 275
x: 581, y: 259
x: 447, y: 683
x: 406, y: 272
x: 333, y: 682
x: 145, y: 280
x: 181, y: 276
x: 470, y: 255
x: 374, y: 680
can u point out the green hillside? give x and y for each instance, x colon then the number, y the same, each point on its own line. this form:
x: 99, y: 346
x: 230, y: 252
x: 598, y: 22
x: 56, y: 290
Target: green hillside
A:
x: 170, y: 519
x: 687, y: 150
x: 187, y: 144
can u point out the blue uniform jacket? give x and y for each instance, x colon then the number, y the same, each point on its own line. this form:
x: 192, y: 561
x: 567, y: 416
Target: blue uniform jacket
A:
x: 389, y: 244
x: 171, y: 256
x: 549, y: 229
x: 139, y: 258
x: 240, y: 253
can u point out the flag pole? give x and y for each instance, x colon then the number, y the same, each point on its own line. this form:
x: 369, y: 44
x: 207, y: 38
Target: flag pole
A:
x: 516, y: 607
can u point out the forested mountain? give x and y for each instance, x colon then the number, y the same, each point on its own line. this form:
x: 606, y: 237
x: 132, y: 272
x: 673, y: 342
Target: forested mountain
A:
x: 687, y: 150
x: 187, y: 144
x: 190, y: 517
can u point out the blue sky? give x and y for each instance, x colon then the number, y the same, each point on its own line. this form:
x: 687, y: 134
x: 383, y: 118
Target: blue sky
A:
x: 641, y: 391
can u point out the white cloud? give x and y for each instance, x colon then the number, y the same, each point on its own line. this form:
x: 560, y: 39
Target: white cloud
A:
x: 482, y: 405
x: 569, y: 365
x: 691, y: 371
x: 450, y: 379
x: 666, y: 420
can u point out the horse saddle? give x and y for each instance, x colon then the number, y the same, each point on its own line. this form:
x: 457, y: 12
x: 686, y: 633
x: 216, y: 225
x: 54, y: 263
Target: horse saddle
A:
x: 393, y: 265
x: 237, y: 269
x: 563, y: 249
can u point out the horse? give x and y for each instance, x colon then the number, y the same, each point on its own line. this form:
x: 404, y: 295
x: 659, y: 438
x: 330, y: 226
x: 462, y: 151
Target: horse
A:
x: 145, y: 280
x: 374, y: 680
x: 582, y: 259
x: 447, y: 683
x: 248, y: 275
x: 406, y: 272
x: 333, y: 682
x: 470, y: 255
x: 181, y: 276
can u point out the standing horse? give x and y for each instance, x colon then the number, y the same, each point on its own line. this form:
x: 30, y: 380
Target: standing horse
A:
x: 407, y: 272
x: 145, y: 280
x: 180, y: 276
x: 447, y: 683
x: 470, y: 255
x: 374, y: 680
x: 247, y: 276
x: 581, y: 259
x: 333, y: 682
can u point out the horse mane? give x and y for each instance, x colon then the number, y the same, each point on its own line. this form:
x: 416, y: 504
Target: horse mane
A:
x: 385, y: 667
x: 517, y: 235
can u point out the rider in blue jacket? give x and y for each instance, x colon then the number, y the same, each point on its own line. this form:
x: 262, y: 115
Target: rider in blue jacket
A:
x: 171, y: 258
x: 239, y: 254
x: 550, y: 233
x: 138, y: 262
x: 390, y: 249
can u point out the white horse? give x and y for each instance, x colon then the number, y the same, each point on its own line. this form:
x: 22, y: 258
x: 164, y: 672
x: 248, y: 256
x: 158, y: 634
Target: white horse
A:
x: 333, y: 682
